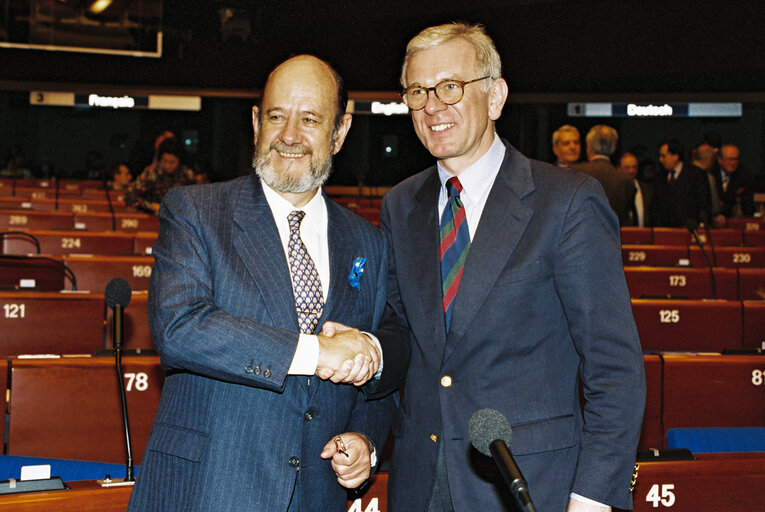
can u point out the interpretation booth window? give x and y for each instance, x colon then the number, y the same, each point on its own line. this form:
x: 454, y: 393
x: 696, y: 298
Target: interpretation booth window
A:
x: 121, y: 27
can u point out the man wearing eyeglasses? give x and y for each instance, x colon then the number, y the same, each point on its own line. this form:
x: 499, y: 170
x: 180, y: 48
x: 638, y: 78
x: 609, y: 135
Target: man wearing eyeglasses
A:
x: 509, y: 274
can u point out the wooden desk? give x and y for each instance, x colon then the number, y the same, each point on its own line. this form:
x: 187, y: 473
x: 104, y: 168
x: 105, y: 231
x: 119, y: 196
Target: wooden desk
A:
x: 681, y: 282
x: 51, y: 323
x: 688, y: 325
x: 84, y: 496
x: 72, y: 242
x: 69, y: 408
x: 93, y: 272
x: 715, y: 482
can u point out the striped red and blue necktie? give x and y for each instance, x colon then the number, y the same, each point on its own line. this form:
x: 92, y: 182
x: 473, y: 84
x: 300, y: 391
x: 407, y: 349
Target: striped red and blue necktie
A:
x: 455, y: 243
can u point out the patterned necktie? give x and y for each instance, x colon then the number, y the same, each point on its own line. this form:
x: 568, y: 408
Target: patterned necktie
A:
x: 309, y: 300
x: 455, y: 243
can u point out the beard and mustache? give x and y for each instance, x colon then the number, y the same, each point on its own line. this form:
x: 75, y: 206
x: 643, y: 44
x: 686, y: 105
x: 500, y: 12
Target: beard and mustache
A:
x: 291, y: 181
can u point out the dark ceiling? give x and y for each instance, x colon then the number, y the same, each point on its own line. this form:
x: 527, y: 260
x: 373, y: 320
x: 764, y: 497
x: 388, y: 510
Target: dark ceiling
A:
x: 548, y: 46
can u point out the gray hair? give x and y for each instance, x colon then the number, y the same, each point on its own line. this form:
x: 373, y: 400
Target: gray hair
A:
x: 487, y: 57
x: 601, y: 139
x: 566, y: 128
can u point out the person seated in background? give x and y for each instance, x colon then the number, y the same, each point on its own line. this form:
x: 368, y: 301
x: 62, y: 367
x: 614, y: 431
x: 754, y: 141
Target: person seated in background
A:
x: 566, y: 144
x: 734, y: 184
x: 152, y: 184
x: 683, y: 194
x: 620, y: 190
x: 639, y: 214
x: 120, y: 177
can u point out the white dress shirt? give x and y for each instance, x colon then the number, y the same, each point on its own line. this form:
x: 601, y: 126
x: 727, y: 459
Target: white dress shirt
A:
x: 313, y: 232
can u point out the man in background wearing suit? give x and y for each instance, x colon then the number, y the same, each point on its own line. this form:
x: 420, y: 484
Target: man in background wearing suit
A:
x: 683, y: 194
x: 509, y: 274
x: 734, y: 185
x: 566, y: 144
x: 640, y: 210
x: 245, y: 274
x: 620, y: 190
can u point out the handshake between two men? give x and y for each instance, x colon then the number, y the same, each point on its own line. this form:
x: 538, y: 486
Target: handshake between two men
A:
x: 347, y: 356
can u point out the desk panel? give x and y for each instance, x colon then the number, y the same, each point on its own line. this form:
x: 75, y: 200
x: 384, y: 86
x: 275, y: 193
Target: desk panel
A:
x: 72, y: 242
x: 51, y: 323
x: 30, y: 219
x: 681, y: 282
x: 715, y: 482
x: 688, y: 325
x: 70, y: 408
x: 93, y: 272
x: 714, y: 391
x: 654, y: 255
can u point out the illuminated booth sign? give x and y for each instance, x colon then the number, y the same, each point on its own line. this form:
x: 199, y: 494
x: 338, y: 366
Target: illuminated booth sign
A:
x: 655, y: 109
x: 116, y: 101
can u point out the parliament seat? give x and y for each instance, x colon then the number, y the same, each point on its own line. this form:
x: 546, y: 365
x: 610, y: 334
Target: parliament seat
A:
x: 51, y: 323
x: 654, y: 255
x: 93, y: 272
x: 729, y: 257
x: 652, y: 435
x: 143, y: 242
x: 633, y: 235
x: 72, y: 242
x: 688, y: 325
x: 681, y: 236
x: 69, y: 408
x: 713, y: 391
x: 46, y: 192
x: 126, y: 222
x: 709, y: 482
x: 717, y: 439
x: 75, y: 205
x: 754, y: 324
x: 747, y: 224
x: 30, y: 219
x: 34, y: 272
x: 755, y: 238
x: 682, y: 282
x: 751, y: 283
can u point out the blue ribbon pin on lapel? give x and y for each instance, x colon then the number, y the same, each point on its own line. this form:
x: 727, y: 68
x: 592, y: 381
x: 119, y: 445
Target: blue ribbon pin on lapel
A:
x: 357, y: 269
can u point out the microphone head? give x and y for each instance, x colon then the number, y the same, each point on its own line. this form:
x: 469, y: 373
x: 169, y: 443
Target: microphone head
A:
x: 691, y: 225
x: 487, y: 426
x: 117, y: 293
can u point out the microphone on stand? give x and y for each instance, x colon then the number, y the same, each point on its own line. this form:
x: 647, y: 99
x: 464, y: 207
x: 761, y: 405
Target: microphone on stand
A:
x: 117, y: 295
x: 105, y: 182
x: 693, y: 226
x: 490, y: 434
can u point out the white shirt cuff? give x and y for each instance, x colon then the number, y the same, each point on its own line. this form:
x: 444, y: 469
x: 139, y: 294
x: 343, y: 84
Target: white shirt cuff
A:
x: 306, y: 355
x: 577, y: 497
x: 379, y: 348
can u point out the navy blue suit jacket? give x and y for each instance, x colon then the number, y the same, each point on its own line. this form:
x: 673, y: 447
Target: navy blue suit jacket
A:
x: 542, y: 302
x: 232, y: 427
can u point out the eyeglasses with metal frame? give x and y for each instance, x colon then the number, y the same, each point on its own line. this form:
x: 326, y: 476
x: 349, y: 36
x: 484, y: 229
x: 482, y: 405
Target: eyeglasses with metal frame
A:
x: 448, y: 92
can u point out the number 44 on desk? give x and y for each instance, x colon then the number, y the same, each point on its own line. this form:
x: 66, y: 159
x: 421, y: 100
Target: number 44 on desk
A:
x: 356, y: 506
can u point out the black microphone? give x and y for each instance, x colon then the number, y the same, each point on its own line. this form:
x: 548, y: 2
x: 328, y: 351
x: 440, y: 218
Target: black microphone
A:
x: 693, y: 226
x: 490, y: 434
x: 117, y: 295
x: 105, y: 182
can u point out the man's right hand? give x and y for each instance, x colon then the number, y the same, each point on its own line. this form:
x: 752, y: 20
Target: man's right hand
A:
x: 346, y: 355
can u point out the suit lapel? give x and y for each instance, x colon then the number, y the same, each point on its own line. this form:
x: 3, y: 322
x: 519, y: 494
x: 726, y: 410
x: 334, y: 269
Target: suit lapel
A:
x: 341, y: 244
x: 424, y: 261
x: 257, y: 243
x: 503, y: 222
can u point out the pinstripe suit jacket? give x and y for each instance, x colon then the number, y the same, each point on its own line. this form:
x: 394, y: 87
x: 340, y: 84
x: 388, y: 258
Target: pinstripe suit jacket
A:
x: 232, y: 427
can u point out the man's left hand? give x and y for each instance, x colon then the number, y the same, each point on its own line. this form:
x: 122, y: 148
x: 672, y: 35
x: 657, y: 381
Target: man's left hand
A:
x: 354, y: 466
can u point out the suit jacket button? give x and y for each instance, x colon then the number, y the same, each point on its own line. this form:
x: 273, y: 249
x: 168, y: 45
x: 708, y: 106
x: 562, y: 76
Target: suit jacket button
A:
x: 308, y: 416
x: 257, y: 370
x: 267, y: 373
x: 446, y: 381
x: 294, y: 461
x: 248, y: 369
